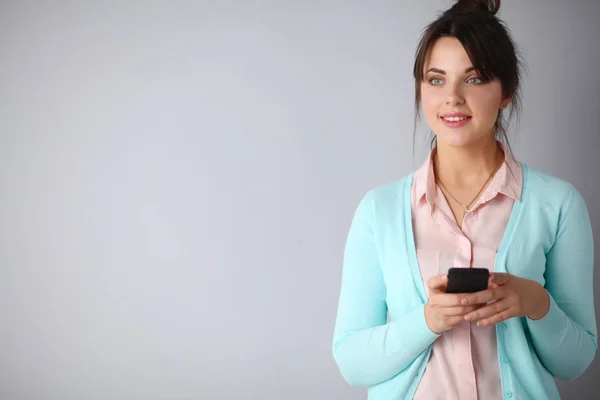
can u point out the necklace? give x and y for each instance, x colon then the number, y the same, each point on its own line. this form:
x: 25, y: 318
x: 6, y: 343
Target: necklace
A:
x: 466, y: 206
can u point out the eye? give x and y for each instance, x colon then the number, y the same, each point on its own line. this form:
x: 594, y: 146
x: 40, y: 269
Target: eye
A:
x: 475, y: 80
x: 436, y: 81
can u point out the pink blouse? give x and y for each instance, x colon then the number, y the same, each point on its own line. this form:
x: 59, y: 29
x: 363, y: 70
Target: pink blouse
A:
x: 464, y: 361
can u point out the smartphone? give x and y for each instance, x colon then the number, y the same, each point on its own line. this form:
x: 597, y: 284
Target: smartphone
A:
x: 467, y: 280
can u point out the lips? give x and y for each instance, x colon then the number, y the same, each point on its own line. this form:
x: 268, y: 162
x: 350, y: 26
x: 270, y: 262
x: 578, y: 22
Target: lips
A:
x: 455, y: 120
x: 454, y: 117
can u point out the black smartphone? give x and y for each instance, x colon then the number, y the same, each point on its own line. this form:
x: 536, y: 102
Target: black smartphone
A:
x: 467, y: 280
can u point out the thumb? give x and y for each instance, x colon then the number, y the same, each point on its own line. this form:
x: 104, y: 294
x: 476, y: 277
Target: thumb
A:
x: 499, y: 278
x: 438, y: 282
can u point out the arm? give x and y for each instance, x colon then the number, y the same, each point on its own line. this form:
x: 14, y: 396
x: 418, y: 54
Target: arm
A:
x: 366, y: 349
x: 565, y: 339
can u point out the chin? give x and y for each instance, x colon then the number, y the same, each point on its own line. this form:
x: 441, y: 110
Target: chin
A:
x: 455, y: 138
x: 459, y: 137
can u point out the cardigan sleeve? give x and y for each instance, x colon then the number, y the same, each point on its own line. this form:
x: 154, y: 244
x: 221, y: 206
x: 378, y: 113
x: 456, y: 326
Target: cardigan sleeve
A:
x: 366, y: 349
x: 566, y: 338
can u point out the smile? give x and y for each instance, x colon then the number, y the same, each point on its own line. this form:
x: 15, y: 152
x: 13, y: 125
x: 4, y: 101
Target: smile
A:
x: 455, y: 121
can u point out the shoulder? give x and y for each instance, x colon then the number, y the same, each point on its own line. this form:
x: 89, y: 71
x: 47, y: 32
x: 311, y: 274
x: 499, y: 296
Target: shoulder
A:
x: 541, y: 187
x: 550, y: 194
x: 385, y: 200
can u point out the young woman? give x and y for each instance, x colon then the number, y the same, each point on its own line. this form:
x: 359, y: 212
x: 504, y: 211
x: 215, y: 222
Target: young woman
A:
x: 471, y: 204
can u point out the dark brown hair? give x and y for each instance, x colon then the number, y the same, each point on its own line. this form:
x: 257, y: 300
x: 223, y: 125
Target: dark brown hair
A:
x: 490, y: 47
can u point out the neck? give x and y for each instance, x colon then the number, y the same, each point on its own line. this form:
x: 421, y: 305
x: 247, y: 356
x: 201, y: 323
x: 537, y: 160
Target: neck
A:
x: 465, y: 166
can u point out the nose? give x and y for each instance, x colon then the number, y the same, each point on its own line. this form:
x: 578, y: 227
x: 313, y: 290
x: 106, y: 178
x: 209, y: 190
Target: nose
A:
x: 454, y: 96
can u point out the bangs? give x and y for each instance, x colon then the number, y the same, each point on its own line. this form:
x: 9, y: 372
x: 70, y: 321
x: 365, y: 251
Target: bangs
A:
x: 486, y: 42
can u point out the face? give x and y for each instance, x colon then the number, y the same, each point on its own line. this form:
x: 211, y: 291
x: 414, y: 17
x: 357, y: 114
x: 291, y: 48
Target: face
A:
x: 458, y: 105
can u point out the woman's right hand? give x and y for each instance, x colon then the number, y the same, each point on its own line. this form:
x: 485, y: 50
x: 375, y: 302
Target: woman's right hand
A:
x: 444, y: 311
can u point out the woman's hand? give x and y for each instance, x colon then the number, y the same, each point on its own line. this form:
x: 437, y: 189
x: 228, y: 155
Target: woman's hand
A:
x: 444, y: 310
x: 508, y: 296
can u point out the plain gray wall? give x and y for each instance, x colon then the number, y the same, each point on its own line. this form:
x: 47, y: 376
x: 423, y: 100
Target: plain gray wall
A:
x: 178, y: 179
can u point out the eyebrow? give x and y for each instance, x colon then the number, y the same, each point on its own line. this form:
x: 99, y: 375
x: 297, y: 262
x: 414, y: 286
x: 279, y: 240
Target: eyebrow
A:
x: 441, y: 71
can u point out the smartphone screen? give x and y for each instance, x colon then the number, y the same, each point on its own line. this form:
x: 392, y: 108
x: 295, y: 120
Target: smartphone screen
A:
x: 467, y: 280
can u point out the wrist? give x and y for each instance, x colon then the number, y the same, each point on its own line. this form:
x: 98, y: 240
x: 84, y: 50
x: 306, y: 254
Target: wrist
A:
x: 430, y: 325
x: 540, y: 302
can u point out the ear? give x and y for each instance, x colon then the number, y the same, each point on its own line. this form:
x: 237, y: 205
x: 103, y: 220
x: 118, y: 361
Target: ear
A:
x: 504, y: 103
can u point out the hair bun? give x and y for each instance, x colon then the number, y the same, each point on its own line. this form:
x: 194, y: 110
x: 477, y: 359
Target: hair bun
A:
x: 469, y: 6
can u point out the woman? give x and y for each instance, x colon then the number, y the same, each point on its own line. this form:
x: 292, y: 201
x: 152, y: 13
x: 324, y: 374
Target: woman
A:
x: 471, y: 204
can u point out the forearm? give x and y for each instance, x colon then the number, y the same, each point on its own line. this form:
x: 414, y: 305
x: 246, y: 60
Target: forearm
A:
x: 565, y: 339
x: 370, y: 356
x: 564, y: 347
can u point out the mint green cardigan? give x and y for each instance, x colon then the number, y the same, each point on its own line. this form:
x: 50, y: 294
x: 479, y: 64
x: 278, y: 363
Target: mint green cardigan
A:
x: 548, y: 239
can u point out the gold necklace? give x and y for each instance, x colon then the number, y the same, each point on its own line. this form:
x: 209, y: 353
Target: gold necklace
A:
x: 466, y: 206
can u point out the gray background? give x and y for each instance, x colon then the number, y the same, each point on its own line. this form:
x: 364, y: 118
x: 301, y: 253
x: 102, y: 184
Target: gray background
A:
x: 178, y: 179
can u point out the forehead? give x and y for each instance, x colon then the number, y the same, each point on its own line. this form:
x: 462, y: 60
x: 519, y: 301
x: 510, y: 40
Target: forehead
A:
x: 447, y: 53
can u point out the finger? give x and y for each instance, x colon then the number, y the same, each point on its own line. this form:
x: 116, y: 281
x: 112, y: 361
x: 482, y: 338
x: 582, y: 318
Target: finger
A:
x: 459, y: 310
x: 485, y: 296
x: 487, y: 311
x: 499, y: 278
x: 437, y: 282
x: 496, y: 319
x: 452, y: 321
x: 437, y: 291
x: 447, y: 300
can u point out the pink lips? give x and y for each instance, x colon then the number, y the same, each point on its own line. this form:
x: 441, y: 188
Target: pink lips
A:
x: 455, y: 124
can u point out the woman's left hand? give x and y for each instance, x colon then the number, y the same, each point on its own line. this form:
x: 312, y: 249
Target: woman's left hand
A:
x: 509, y: 296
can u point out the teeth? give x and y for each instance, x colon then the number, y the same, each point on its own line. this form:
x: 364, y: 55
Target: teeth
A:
x: 454, y: 119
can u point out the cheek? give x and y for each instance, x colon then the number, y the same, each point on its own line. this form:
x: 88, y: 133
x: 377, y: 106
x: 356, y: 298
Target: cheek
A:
x: 431, y: 100
x: 485, y: 103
